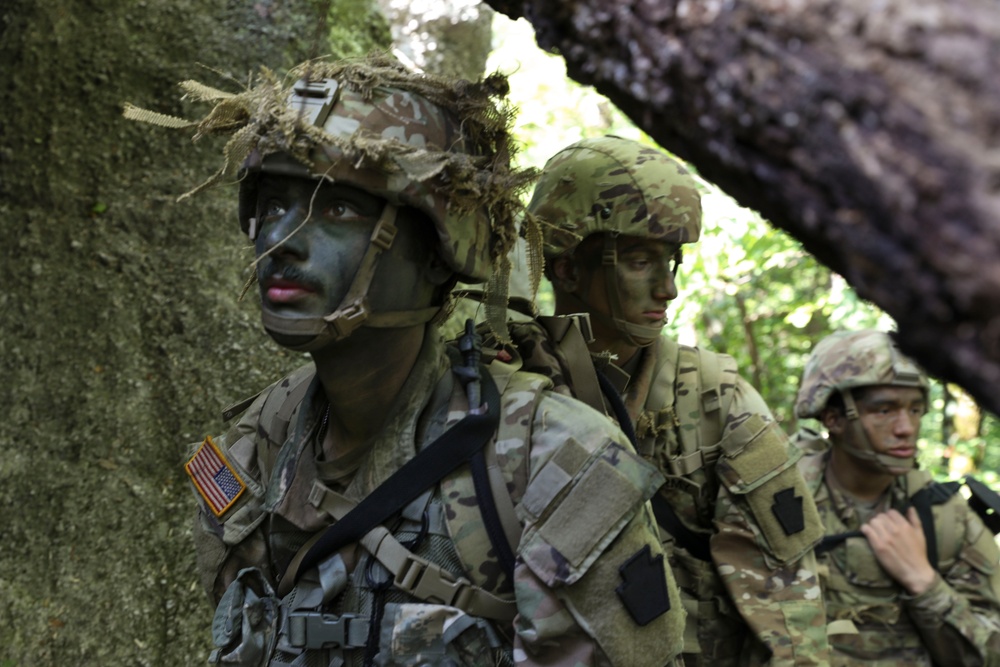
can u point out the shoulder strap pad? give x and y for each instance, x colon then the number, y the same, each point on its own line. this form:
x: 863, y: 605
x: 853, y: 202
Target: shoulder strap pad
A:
x: 986, y: 503
x: 924, y: 495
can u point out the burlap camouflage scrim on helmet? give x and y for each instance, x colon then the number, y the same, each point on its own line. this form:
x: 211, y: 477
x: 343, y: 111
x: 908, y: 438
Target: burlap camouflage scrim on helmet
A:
x: 440, y: 145
x: 850, y: 359
x: 610, y: 184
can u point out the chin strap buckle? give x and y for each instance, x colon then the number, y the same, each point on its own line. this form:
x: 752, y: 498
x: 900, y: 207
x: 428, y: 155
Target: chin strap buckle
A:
x: 345, y: 320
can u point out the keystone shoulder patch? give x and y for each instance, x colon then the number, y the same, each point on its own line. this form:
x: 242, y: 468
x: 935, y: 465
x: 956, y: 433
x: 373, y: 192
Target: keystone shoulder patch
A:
x: 643, y: 590
x: 216, y: 482
x: 787, y: 510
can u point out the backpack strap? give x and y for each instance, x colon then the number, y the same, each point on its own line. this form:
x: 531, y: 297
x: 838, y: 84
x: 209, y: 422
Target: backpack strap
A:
x: 688, y: 403
x: 925, y: 495
x: 570, y: 334
x: 985, y: 502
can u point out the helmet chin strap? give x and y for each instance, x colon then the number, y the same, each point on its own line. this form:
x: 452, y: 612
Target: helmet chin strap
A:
x: 353, y: 311
x: 883, y: 461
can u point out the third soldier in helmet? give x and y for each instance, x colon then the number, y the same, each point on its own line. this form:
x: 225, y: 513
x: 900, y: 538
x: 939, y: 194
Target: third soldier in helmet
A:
x: 735, y: 516
x: 909, y: 573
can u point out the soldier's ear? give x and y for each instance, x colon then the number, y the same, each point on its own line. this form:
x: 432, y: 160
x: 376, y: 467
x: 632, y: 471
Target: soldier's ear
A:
x: 834, y: 420
x: 564, y: 274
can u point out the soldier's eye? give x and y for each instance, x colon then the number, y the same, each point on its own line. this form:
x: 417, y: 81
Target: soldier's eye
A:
x: 272, y: 208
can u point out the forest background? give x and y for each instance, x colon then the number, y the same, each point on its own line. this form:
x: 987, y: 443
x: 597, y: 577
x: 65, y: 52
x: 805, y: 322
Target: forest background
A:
x: 122, y: 337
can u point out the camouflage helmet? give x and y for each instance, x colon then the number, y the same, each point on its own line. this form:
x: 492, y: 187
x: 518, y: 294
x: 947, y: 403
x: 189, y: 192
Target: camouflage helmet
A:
x: 413, y: 139
x: 440, y: 145
x: 847, y: 360
x: 611, y: 184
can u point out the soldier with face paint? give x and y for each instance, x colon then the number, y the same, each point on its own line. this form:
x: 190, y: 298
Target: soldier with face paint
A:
x: 398, y: 501
x: 910, y: 574
x: 734, y: 514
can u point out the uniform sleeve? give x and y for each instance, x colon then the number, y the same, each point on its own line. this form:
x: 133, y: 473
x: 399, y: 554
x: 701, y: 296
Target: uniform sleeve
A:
x: 767, y: 526
x: 592, y: 583
x: 227, y: 543
x: 959, y: 616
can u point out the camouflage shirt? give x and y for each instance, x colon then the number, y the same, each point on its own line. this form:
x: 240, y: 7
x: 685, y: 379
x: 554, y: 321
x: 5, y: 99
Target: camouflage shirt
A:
x: 571, y: 592
x: 873, y: 621
x: 751, y: 589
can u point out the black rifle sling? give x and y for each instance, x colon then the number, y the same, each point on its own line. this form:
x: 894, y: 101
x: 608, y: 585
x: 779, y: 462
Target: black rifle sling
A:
x: 696, y: 544
x: 491, y: 518
x: 617, y: 406
x: 830, y: 541
x: 985, y: 502
x: 923, y: 500
x: 453, y: 448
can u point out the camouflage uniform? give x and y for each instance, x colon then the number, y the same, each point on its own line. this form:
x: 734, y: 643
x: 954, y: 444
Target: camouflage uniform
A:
x: 745, y: 569
x: 590, y: 584
x: 569, y: 553
x: 872, y: 619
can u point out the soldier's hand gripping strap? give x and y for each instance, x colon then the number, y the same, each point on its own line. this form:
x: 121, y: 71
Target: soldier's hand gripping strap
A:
x: 986, y: 503
x: 756, y: 466
x: 455, y: 447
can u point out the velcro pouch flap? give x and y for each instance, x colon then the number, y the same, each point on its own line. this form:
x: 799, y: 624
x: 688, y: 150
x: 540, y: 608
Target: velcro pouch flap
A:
x: 762, y: 471
x: 577, y: 504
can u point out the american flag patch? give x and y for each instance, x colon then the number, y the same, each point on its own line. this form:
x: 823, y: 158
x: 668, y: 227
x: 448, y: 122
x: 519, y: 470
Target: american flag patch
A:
x: 217, y: 483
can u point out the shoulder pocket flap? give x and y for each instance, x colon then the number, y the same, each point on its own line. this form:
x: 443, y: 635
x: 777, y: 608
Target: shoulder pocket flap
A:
x: 761, y: 457
x: 585, y: 509
x: 764, y: 474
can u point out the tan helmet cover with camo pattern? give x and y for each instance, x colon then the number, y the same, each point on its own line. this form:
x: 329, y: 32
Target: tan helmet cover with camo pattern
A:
x: 610, y: 184
x: 440, y: 145
x: 847, y: 360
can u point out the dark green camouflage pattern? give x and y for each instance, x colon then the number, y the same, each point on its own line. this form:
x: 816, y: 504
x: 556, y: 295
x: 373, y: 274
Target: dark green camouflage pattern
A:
x: 610, y: 184
x: 846, y: 360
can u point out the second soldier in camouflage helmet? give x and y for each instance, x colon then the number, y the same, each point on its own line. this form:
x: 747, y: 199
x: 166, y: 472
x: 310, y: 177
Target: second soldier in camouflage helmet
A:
x: 910, y: 575
x: 735, y: 517
x: 338, y: 524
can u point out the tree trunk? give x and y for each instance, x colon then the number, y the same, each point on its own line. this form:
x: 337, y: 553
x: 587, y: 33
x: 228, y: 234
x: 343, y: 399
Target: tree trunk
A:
x: 120, y: 333
x: 870, y: 132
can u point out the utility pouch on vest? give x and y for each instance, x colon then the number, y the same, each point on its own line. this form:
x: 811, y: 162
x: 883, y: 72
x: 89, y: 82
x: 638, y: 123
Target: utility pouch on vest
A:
x: 756, y: 465
x: 569, y: 530
x: 430, y: 634
x: 244, y: 629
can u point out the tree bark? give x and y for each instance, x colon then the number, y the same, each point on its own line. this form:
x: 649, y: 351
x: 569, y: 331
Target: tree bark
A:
x: 870, y: 132
x: 120, y: 333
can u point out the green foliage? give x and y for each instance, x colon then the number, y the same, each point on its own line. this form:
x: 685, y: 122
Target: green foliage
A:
x: 750, y: 290
x: 355, y: 27
x: 746, y: 288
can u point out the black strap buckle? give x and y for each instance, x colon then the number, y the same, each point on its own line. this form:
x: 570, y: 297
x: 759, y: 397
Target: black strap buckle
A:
x: 314, y: 630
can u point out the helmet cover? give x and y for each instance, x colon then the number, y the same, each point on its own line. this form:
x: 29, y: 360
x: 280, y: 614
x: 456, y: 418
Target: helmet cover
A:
x: 440, y: 145
x: 847, y: 360
x: 611, y: 184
